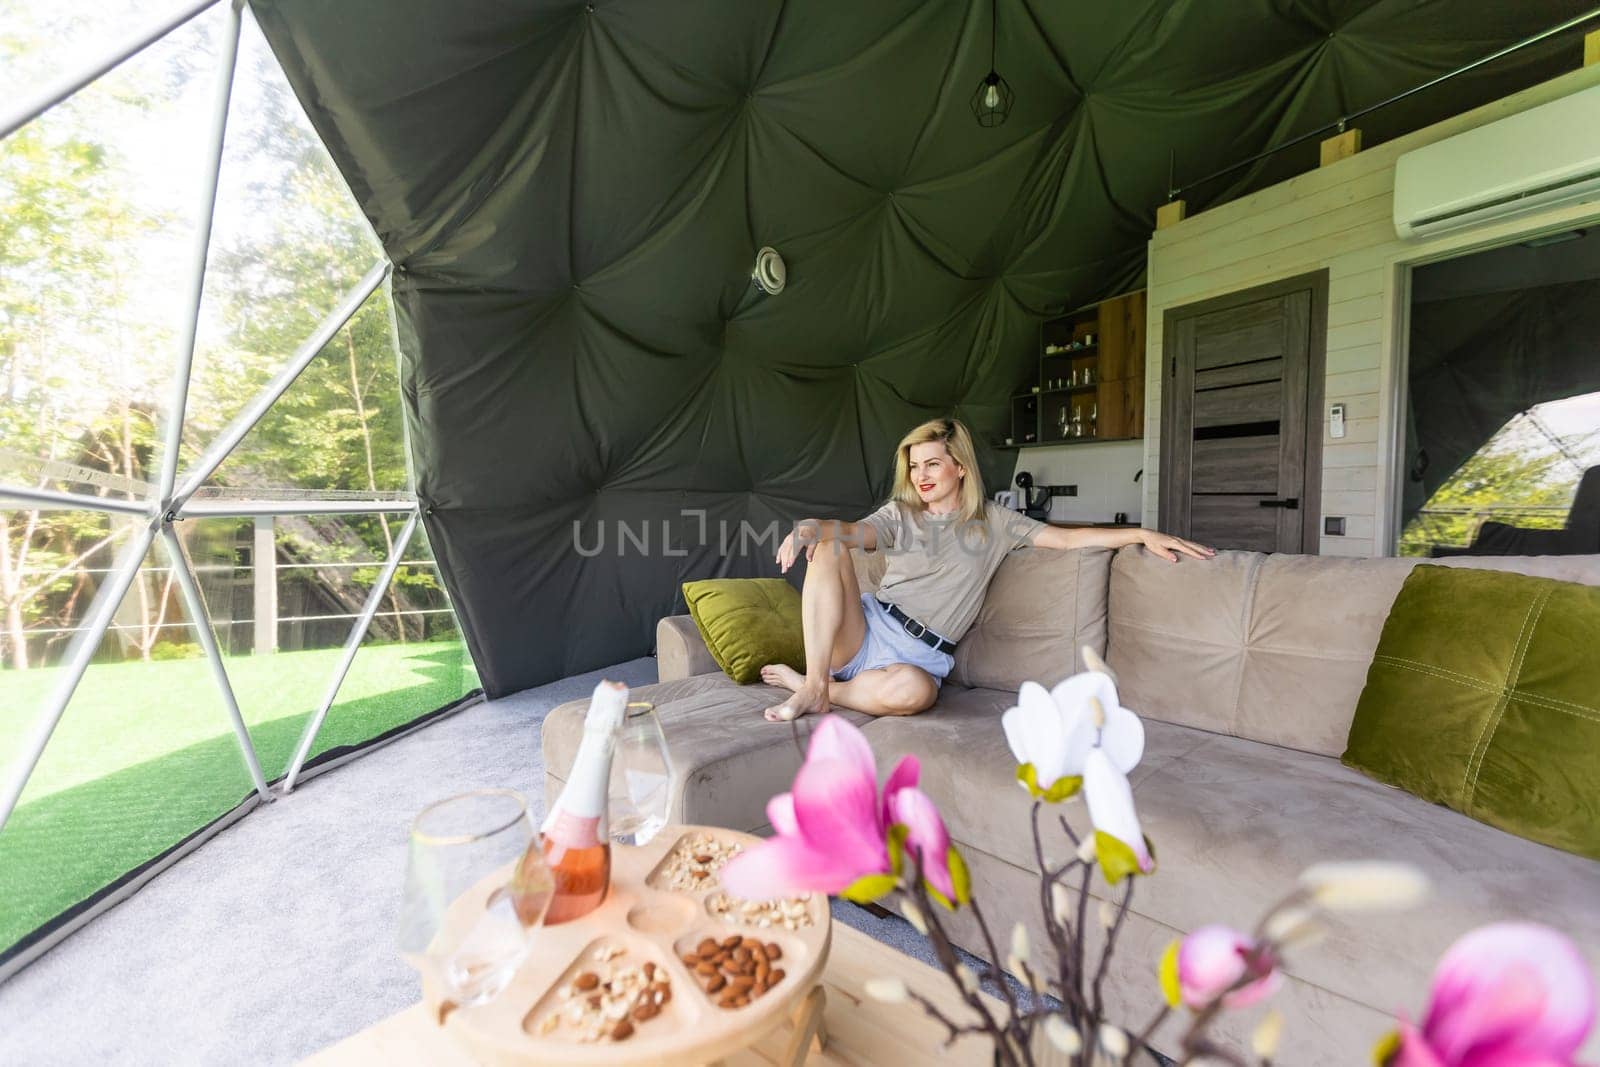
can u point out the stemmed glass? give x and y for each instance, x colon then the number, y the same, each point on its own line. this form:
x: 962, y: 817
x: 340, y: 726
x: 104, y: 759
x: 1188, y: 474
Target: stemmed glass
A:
x: 640, y: 791
x: 457, y: 847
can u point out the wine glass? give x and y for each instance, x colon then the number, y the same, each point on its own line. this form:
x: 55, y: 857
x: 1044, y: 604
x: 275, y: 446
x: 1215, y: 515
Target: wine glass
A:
x: 466, y: 921
x: 640, y: 791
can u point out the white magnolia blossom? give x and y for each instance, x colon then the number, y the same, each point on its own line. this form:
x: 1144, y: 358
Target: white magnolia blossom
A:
x: 1365, y: 885
x: 913, y: 916
x: 1111, y: 810
x: 1056, y: 729
x: 967, y: 977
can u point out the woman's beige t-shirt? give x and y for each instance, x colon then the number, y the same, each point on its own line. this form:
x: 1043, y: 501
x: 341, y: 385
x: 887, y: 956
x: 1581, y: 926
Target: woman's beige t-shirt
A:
x: 937, y: 569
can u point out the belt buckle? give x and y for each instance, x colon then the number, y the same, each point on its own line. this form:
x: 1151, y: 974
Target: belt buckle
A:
x: 918, y: 632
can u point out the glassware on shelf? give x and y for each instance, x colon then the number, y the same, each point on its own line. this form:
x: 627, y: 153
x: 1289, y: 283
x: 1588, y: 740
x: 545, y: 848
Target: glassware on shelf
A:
x: 641, y: 777
x: 1094, y: 420
x: 1061, y: 422
x: 456, y: 844
x: 1077, y: 421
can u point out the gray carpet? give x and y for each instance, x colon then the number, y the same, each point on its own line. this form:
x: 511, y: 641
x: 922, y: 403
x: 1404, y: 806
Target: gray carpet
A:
x: 276, y: 938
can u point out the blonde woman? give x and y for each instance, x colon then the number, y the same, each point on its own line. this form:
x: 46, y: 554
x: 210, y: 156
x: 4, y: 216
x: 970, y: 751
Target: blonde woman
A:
x: 887, y: 653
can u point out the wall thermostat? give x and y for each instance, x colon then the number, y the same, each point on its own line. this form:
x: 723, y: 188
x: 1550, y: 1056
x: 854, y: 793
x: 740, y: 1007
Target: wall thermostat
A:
x: 1336, y: 421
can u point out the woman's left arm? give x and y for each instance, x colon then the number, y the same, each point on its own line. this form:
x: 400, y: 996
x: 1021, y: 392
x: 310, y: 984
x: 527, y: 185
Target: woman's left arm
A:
x: 1164, y: 545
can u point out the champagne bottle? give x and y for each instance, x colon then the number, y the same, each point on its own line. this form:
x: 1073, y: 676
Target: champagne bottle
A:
x: 576, y: 841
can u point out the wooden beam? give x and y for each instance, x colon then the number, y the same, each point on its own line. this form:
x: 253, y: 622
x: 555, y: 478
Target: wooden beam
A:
x: 1170, y: 214
x: 1343, y: 146
x: 1591, y: 48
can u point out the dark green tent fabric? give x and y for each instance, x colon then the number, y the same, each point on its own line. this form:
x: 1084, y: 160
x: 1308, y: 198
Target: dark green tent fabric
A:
x: 573, y: 195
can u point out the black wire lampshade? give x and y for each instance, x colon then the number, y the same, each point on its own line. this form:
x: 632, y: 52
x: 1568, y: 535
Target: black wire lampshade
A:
x: 991, y: 104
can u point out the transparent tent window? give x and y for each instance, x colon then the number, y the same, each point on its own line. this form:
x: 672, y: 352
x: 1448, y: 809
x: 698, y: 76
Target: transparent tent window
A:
x: 211, y: 568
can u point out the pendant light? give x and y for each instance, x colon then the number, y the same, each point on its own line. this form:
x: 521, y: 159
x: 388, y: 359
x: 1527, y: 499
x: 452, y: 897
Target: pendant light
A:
x: 991, y: 103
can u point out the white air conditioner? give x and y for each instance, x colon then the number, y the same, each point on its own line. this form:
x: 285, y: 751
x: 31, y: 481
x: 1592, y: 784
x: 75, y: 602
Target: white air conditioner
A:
x: 1543, y: 156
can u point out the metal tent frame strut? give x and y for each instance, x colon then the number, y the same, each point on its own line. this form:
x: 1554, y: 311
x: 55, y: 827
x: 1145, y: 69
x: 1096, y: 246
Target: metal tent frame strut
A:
x: 174, y: 500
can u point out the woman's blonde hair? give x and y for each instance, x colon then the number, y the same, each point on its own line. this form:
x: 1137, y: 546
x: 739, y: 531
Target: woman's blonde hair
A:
x: 958, y: 442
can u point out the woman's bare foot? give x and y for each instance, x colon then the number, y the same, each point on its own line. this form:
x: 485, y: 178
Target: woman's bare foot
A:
x: 807, y: 700
x: 783, y: 675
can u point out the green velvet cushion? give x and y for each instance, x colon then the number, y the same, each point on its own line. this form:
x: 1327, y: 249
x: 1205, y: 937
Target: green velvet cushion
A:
x: 748, y: 623
x: 1484, y: 696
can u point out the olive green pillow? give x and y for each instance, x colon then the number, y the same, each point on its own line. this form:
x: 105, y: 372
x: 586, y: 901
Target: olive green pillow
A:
x: 748, y: 623
x: 1484, y: 696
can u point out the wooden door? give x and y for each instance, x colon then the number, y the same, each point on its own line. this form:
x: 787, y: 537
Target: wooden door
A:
x: 1241, y: 434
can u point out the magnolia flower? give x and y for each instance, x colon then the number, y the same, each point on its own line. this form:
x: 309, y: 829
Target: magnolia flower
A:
x: 832, y: 829
x: 1079, y: 735
x: 1111, y: 810
x: 1209, y: 963
x: 1510, y: 994
x: 1053, y: 731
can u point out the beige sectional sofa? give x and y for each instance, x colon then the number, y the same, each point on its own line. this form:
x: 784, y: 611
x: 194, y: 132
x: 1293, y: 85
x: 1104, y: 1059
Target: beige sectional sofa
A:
x: 1246, y: 669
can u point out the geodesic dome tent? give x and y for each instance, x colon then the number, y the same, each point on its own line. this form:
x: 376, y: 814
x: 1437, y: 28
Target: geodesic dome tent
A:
x: 568, y: 198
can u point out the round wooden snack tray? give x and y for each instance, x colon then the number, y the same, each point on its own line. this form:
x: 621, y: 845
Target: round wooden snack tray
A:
x: 651, y: 925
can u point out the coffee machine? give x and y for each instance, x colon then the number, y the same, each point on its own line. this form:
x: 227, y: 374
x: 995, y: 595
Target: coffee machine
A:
x: 1035, y: 499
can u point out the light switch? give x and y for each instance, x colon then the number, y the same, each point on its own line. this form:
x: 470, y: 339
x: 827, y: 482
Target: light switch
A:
x: 1336, y: 421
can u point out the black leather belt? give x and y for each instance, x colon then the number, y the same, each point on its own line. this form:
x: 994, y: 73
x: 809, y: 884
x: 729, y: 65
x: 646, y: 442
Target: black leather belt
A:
x: 919, y: 631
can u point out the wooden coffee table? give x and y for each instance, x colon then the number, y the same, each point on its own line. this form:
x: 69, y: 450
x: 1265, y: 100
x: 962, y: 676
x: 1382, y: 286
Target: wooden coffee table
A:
x: 856, y: 1031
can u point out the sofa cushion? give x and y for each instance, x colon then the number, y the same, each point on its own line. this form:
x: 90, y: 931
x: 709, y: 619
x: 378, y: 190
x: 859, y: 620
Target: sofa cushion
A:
x: 728, y: 761
x: 1482, y: 697
x: 1270, y: 647
x: 969, y: 771
x: 1235, y: 821
x: 747, y: 623
x: 1041, y: 606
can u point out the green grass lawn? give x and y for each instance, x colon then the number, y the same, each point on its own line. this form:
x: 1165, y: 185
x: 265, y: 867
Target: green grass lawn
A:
x: 144, y: 755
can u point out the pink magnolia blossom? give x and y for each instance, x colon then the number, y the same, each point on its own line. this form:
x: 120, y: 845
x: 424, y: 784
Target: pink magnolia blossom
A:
x: 832, y: 828
x: 1511, y: 994
x: 1211, y: 961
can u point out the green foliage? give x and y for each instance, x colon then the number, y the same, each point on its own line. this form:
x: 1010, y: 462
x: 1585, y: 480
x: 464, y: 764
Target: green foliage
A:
x: 1518, y: 477
x: 168, y: 650
x: 90, y: 244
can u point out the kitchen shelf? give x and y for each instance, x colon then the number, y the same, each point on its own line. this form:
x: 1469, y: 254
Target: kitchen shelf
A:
x: 1116, y: 357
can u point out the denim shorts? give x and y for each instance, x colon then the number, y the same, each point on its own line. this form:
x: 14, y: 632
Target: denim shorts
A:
x: 887, y: 642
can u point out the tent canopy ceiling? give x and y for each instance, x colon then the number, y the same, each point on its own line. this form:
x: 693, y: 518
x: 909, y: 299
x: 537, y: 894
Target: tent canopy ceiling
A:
x: 573, y: 195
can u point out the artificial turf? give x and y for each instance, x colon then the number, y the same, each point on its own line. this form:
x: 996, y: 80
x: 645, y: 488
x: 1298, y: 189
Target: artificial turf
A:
x: 145, y: 755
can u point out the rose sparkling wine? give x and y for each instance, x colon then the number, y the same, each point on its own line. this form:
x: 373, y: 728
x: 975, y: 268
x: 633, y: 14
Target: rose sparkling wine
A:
x: 576, y: 840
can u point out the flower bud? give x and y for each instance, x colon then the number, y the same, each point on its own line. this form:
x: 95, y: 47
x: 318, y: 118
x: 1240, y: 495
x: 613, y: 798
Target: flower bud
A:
x: 1294, y: 926
x: 1060, y: 903
x: 1019, y: 941
x: 1063, y: 1035
x: 1108, y: 914
x: 886, y: 990
x: 1113, y: 1042
x: 1264, y: 1041
x: 913, y: 916
x: 1365, y: 885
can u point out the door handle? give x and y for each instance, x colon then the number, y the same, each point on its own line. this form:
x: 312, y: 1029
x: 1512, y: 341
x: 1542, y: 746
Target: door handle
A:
x: 1292, y: 503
